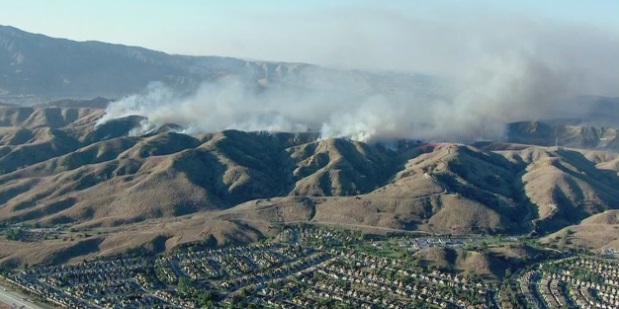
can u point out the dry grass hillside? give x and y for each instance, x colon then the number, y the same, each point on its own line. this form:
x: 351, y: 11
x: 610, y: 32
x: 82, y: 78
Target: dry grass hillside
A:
x: 598, y: 231
x: 491, y: 263
x: 567, y: 133
x: 566, y: 185
x: 466, y: 262
x: 152, y: 236
x: 29, y: 135
x: 338, y: 167
x: 57, y: 167
x: 455, y: 189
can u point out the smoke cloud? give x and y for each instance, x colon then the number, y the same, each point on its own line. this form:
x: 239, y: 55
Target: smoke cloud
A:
x: 481, y: 74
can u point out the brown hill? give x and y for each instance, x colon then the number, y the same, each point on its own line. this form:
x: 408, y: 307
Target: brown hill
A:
x: 567, y: 133
x: 564, y: 185
x: 595, y: 232
x: 152, y: 176
x: 467, y: 262
x: 30, y: 135
x: 491, y: 263
x: 150, y: 237
x: 450, y: 188
x: 607, y: 217
x: 34, y: 117
x: 455, y: 189
x: 338, y: 167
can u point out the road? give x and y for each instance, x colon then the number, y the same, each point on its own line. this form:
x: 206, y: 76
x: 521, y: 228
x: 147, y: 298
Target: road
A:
x: 332, y: 223
x: 16, y: 300
x: 359, y: 226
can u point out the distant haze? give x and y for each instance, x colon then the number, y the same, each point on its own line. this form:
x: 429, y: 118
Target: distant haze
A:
x: 440, y: 36
x: 501, y: 63
x: 499, y: 69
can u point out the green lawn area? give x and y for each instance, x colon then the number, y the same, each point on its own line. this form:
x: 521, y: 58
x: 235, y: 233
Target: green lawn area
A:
x: 386, y: 250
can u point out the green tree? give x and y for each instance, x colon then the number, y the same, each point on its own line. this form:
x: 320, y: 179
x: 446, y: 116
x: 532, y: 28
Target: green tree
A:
x: 184, y: 284
x: 14, y: 234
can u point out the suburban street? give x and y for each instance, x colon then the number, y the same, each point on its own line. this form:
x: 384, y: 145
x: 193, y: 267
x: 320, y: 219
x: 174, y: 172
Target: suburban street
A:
x: 16, y: 300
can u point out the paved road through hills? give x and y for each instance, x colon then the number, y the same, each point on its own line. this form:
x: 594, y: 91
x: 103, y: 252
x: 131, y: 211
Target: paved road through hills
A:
x: 16, y: 300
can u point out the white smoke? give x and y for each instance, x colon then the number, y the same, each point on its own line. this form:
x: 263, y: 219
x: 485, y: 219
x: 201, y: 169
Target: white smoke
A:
x: 226, y: 104
x: 479, y: 105
x: 497, y: 71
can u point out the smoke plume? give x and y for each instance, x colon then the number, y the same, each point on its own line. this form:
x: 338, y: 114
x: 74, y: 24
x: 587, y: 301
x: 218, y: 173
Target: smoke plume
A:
x: 481, y: 75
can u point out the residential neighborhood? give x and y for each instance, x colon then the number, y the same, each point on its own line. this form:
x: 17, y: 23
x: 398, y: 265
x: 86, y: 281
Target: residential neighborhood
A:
x: 314, y: 267
x: 573, y: 282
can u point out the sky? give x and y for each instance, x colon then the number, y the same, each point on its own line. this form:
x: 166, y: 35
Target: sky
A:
x: 377, y: 35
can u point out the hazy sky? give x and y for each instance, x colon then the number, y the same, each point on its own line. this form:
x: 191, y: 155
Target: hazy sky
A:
x: 363, y: 34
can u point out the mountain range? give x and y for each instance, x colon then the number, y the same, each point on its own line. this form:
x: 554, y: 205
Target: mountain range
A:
x: 38, y: 69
